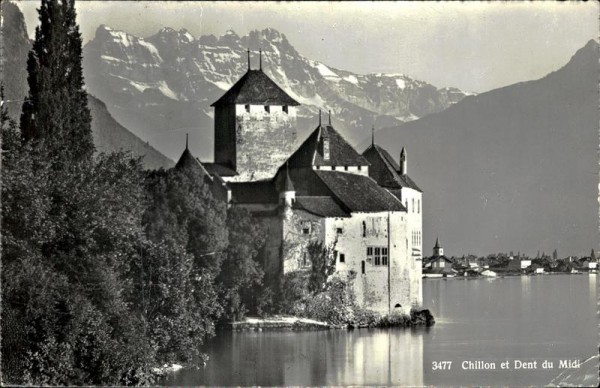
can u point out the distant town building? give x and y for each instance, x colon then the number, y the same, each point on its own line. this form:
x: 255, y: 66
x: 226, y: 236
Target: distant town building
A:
x: 525, y: 263
x: 364, y: 207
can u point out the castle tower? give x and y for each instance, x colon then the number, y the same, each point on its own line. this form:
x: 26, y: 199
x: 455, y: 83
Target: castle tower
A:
x: 437, y: 249
x: 255, y: 127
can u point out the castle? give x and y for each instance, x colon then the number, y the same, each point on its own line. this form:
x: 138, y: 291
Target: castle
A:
x: 364, y: 206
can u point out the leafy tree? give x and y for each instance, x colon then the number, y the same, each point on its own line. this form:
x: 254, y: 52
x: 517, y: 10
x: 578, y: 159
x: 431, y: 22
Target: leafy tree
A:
x: 182, y: 208
x: 187, y: 237
x: 241, y: 272
x: 322, y: 265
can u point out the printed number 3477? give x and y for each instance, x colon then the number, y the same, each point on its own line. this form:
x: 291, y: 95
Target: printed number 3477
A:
x: 441, y: 365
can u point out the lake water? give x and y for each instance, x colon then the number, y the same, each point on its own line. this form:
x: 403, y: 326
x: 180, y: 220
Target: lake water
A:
x: 551, y: 317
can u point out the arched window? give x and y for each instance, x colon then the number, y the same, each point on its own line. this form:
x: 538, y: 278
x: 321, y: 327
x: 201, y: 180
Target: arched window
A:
x: 418, y: 206
x: 364, y: 231
x: 413, y: 205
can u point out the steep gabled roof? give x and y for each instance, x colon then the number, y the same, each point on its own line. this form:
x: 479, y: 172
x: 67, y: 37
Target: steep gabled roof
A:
x: 384, y: 169
x: 255, y: 87
x: 341, y: 153
x: 359, y: 193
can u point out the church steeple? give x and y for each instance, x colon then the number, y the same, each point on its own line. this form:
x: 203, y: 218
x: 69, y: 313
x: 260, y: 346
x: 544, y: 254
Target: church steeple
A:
x: 437, y: 249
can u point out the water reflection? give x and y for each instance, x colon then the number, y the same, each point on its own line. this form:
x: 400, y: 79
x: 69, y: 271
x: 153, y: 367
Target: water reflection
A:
x: 336, y: 357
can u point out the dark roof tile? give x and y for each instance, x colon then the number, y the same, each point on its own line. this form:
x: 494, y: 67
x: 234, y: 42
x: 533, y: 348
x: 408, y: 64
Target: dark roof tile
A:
x: 384, y: 169
x: 187, y: 160
x: 341, y: 153
x: 320, y: 206
x: 255, y: 87
x: 359, y: 193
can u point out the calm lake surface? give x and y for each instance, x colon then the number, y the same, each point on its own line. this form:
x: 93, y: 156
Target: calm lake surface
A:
x: 536, y: 318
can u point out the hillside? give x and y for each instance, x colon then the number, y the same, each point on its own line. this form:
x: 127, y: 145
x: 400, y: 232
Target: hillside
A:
x: 109, y: 136
x: 515, y: 168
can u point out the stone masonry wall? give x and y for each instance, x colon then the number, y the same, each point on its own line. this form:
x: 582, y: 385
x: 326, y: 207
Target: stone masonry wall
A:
x: 263, y: 141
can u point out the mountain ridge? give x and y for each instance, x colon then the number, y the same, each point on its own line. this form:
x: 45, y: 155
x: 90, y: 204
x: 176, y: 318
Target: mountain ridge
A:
x: 514, y: 168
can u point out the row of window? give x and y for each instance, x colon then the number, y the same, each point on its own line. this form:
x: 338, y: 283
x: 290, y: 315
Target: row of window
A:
x: 418, y: 207
x: 377, y: 256
x: 285, y: 108
x: 334, y: 168
x: 416, y: 237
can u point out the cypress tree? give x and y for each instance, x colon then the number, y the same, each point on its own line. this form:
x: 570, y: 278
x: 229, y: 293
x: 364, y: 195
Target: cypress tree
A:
x: 56, y: 111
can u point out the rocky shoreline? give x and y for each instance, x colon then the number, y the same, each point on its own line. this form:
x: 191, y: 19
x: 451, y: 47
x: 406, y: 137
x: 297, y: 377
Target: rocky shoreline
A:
x: 416, y: 318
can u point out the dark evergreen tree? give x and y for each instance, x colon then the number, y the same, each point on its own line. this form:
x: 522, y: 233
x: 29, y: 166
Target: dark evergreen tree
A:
x: 555, y: 255
x: 56, y: 111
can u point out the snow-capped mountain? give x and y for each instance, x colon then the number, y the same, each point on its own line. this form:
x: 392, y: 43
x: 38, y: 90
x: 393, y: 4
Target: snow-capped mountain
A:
x: 161, y: 87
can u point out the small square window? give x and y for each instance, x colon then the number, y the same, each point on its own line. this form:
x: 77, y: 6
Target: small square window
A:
x: 305, y: 230
x: 285, y: 109
x: 345, y: 168
x: 267, y: 108
x: 247, y: 108
x: 339, y: 230
x: 332, y: 168
x: 359, y: 168
x: 342, y: 258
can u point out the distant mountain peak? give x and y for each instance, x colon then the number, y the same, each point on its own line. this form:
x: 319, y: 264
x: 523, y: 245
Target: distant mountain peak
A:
x: 171, y: 78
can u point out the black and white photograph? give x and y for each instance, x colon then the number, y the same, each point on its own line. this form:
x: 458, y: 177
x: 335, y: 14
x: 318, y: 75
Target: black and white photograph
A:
x: 262, y: 193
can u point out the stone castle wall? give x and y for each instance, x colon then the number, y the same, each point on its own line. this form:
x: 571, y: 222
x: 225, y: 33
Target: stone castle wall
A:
x: 378, y: 287
x: 263, y: 140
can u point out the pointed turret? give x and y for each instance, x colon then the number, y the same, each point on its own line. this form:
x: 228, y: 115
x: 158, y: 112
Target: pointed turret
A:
x: 403, y: 164
x: 287, y: 194
x: 187, y: 160
x: 373, y: 135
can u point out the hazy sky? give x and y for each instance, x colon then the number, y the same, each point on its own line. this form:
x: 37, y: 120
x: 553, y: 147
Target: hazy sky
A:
x: 473, y: 46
